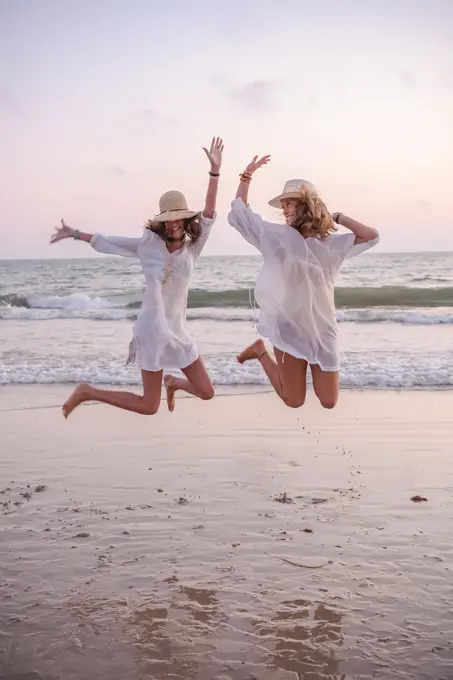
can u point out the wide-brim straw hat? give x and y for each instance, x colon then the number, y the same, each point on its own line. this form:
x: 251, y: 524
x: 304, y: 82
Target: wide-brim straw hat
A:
x: 173, y: 206
x: 292, y: 189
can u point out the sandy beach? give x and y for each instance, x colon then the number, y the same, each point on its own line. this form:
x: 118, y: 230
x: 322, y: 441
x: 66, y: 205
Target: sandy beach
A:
x: 231, y: 539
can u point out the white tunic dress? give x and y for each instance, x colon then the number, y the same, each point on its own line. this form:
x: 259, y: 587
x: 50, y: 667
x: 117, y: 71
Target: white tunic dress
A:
x: 160, y: 336
x: 295, y: 287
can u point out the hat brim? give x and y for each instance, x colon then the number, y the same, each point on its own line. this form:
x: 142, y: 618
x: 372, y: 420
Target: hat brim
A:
x: 173, y: 215
x: 276, y: 202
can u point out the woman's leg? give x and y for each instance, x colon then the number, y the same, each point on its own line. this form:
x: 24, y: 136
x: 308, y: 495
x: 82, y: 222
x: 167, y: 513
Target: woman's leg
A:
x: 258, y: 351
x: 148, y: 404
x: 326, y: 385
x: 196, y: 382
x: 288, y: 375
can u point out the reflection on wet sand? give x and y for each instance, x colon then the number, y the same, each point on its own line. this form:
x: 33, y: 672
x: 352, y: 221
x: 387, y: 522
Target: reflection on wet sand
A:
x: 192, y: 635
x: 304, y: 638
x: 175, y: 640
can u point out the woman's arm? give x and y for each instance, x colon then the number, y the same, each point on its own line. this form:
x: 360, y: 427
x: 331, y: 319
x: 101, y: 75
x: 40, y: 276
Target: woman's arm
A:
x: 246, y: 176
x: 68, y: 232
x: 245, y: 221
x: 363, y: 234
x: 215, y: 158
x: 341, y: 246
x: 207, y: 217
x: 111, y: 245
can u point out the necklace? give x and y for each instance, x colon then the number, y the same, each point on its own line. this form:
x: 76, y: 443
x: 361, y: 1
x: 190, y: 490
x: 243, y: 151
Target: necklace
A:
x: 168, y: 265
x: 167, y: 272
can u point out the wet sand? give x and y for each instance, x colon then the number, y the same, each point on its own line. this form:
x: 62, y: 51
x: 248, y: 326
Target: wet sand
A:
x: 231, y: 539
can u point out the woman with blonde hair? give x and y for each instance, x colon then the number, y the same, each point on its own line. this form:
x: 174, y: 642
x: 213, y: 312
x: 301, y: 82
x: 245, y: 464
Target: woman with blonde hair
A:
x: 168, y: 249
x: 295, y: 287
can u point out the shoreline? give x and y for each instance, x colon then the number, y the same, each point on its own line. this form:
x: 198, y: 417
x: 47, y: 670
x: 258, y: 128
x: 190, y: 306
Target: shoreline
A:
x: 222, y: 389
x: 22, y: 396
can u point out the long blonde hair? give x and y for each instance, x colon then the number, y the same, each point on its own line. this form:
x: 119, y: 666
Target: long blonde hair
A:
x: 312, y: 216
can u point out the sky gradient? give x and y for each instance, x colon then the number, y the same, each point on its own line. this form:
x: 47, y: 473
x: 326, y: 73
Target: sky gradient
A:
x: 105, y: 104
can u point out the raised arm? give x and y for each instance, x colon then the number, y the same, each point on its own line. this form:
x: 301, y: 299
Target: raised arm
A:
x: 363, y: 234
x: 246, y: 176
x: 207, y: 217
x: 215, y: 158
x: 245, y: 221
x: 112, y: 245
x: 342, y: 246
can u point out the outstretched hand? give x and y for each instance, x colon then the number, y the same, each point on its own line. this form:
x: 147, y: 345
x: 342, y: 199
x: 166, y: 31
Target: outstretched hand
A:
x: 215, y: 153
x: 257, y: 163
x: 62, y: 232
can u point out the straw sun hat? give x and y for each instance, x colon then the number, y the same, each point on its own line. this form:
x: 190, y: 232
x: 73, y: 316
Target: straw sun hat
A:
x: 292, y: 189
x: 173, y: 206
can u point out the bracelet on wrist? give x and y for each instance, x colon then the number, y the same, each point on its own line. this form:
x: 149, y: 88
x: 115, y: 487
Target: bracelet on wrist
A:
x: 76, y: 234
x: 214, y: 174
x: 336, y: 217
x: 245, y: 177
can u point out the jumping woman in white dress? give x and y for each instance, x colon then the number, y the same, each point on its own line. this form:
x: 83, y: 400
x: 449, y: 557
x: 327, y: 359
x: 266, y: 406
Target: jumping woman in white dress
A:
x: 295, y: 287
x: 167, y: 251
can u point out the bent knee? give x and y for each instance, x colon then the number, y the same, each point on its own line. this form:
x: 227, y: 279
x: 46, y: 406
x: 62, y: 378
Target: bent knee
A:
x: 150, y: 409
x: 207, y: 393
x: 329, y: 403
x: 294, y: 402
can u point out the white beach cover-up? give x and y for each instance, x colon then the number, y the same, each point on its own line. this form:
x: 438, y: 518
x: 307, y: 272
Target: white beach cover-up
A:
x: 160, y: 336
x: 295, y: 287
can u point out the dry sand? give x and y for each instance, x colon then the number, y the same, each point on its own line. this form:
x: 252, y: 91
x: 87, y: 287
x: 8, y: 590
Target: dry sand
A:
x: 231, y: 539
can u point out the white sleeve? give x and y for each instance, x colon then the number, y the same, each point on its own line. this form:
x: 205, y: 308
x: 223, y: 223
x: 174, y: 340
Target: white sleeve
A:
x: 248, y: 224
x: 342, y: 247
x: 115, y: 245
x: 206, y: 225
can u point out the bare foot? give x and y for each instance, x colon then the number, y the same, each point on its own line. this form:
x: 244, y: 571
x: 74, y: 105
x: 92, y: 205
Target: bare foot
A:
x: 81, y: 393
x: 254, y: 351
x: 170, y: 388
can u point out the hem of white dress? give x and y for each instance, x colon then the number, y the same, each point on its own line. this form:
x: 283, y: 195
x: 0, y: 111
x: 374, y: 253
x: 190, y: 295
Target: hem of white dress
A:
x: 297, y: 355
x: 134, y: 358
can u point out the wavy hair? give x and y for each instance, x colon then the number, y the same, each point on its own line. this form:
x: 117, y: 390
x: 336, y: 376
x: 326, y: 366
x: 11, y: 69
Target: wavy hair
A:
x: 312, y: 217
x: 192, y: 229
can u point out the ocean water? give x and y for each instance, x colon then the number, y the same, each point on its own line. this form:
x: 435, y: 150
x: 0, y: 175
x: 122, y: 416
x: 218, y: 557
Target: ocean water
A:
x: 64, y: 321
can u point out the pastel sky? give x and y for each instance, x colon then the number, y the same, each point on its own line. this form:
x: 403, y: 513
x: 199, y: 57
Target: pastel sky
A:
x: 105, y: 104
